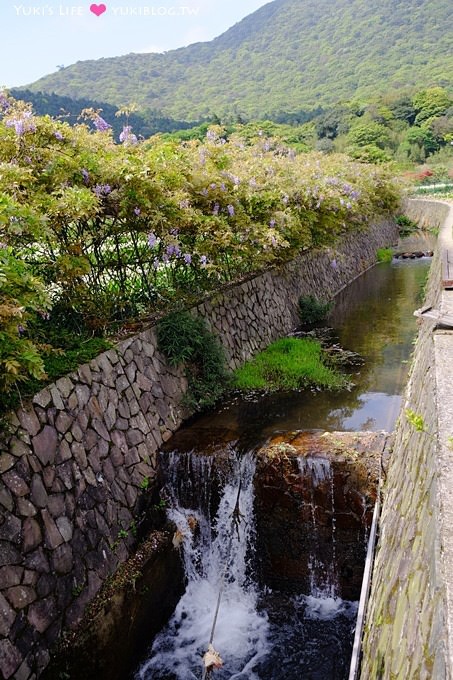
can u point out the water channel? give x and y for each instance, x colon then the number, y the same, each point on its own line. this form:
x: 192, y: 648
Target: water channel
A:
x: 263, y: 632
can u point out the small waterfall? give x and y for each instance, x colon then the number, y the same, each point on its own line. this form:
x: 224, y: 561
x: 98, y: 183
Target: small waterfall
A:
x: 241, y: 631
x: 318, y: 480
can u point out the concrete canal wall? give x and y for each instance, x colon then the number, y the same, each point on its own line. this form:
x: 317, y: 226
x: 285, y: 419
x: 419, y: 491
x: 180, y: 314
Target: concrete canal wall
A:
x: 409, y: 627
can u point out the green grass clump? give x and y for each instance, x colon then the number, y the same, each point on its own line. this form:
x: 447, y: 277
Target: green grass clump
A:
x: 384, y: 255
x: 289, y: 364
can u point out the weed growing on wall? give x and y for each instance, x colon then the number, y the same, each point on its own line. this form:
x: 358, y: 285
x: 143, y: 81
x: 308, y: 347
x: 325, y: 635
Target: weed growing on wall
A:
x: 312, y: 310
x: 186, y: 339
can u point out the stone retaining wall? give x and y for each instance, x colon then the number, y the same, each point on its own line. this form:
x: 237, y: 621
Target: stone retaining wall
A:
x: 409, y: 622
x: 75, y: 462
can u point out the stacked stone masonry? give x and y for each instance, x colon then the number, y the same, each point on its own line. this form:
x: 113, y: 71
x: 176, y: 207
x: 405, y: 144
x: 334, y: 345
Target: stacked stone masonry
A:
x: 74, y: 462
x: 408, y: 632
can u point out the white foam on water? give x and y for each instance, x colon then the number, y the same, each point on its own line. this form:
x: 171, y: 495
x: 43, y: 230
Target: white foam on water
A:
x: 241, y: 631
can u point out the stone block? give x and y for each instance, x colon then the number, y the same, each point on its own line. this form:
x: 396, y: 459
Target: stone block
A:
x: 42, y: 613
x: 10, y: 576
x: 15, y: 483
x: 29, y: 421
x: 63, y: 422
x: 45, y: 445
x: 32, y: 535
x: 20, y: 596
x: 10, y: 659
x: 43, y: 398
x: 7, y: 616
x: 62, y: 560
x: 64, y: 386
x: 25, y: 508
x: 53, y: 538
x: 64, y: 527
x: 7, y: 461
x: 38, y: 494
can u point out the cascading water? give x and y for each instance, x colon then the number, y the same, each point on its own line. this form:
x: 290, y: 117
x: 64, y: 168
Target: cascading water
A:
x: 216, y: 559
x: 318, y: 478
x: 261, y: 634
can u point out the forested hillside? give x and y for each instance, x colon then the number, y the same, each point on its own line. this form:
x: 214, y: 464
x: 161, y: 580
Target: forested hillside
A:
x: 289, y: 56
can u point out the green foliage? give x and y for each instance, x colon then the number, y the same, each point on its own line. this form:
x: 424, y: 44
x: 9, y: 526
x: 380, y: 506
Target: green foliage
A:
x: 384, y: 255
x: 185, y: 339
x: 415, y: 419
x: 144, y: 484
x: 406, y: 225
x: 104, y: 233
x: 312, y: 310
x: 22, y: 297
x: 276, y: 51
x: 289, y: 364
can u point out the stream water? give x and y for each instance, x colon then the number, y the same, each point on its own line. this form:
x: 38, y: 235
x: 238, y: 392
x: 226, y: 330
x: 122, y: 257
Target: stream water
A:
x: 263, y: 634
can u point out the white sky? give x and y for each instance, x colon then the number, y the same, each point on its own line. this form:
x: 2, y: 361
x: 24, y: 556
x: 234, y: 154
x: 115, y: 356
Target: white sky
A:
x: 37, y: 36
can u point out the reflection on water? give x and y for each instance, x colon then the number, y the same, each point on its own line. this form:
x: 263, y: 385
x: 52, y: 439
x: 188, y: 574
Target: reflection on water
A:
x: 374, y: 317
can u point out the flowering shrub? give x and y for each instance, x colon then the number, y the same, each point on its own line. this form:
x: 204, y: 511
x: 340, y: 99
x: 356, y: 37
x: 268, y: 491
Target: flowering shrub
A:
x: 114, y: 231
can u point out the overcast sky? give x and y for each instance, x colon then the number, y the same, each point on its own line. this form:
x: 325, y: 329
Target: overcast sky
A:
x: 39, y: 36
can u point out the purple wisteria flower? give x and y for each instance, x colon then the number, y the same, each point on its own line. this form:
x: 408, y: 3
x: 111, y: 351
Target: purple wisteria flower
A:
x: 57, y: 134
x: 230, y: 209
x: 20, y: 329
x: 204, y: 192
x: 213, y: 185
x: 4, y: 103
x: 127, y: 137
x: 44, y: 315
x: 173, y: 250
x: 211, y: 136
x: 137, y: 211
x: 334, y: 264
x: 85, y: 175
x: 100, y: 124
x: 187, y: 258
x: 22, y: 123
x: 102, y: 190
x: 272, y: 224
x: 216, y: 208
x: 354, y: 195
x: 184, y: 204
x: 152, y: 239
x: 156, y: 263
x: 203, y: 260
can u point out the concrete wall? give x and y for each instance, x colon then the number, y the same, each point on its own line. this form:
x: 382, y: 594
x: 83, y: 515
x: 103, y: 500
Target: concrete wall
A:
x: 73, y: 463
x: 409, y: 630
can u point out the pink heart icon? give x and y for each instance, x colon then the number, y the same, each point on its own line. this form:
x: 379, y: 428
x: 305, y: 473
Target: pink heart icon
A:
x: 98, y: 9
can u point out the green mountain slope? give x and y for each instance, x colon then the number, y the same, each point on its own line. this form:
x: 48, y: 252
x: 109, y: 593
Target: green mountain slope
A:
x: 287, y: 56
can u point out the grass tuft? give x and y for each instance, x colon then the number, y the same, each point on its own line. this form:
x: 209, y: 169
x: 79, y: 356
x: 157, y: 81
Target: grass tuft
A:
x: 289, y: 364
